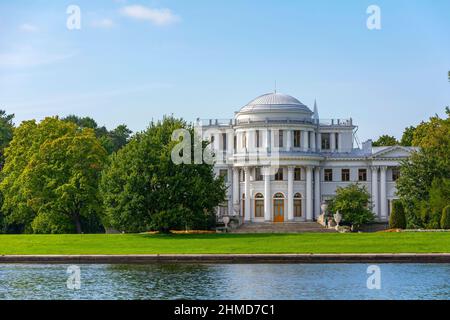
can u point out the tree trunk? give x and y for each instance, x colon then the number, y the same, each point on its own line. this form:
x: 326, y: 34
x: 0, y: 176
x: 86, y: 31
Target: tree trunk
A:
x: 76, y: 219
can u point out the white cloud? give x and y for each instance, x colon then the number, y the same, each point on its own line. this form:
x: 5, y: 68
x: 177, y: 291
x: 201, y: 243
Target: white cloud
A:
x: 159, y: 17
x: 26, y: 27
x: 103, y: 23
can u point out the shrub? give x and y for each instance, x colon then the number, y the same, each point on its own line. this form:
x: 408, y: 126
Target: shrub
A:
x: 445, y: 219
x: 397, y: 219
x: 353, y: 202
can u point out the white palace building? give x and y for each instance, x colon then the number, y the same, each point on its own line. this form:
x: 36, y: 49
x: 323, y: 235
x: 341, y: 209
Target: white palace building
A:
x: 281, y: 162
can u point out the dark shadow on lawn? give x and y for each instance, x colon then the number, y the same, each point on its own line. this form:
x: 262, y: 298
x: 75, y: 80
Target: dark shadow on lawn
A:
x: 241, y: 236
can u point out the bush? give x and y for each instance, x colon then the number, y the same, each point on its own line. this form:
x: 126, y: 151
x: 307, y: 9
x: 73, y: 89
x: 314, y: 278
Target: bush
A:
x: 165, y: 221
x: 52, y: 223
x: 353, y: 202
x: 445, y: 219
x: 397, y: 220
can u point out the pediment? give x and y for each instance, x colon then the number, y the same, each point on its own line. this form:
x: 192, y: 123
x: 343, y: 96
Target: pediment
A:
x: 394, y: 152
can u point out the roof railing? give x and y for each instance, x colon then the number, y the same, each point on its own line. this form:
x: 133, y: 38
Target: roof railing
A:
x: 233, y: 122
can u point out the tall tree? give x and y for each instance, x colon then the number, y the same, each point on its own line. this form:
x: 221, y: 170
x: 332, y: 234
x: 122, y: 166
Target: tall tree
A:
x: 50, y: 179
x: 142, y: 188
x: 385, y: 141
x: 112, y: 140
x: 426, y: 173
x: 408, y: 136
x: 6, y: 132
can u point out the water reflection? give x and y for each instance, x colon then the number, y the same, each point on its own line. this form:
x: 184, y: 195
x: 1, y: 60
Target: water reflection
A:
x: 242, y: 281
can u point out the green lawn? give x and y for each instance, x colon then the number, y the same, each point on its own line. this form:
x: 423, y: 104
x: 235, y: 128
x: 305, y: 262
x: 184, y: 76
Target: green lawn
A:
x: 432, y: 242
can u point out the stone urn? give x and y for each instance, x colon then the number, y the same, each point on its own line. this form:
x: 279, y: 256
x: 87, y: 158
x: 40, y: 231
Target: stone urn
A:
x: 226, y: 221
x: 337, y: 218
x: 324, y: 208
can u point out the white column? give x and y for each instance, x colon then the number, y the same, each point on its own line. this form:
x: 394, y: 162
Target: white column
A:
x: 238, y: 142
x: 383, y: 194
x: 304, y: 140
x: 288, y: 140
x: 290, y: 195
x: 251, y: 140
x: 230, y: 142
x: 248, y: 214
x: 309, y: 194
x: 375, y: 191
x: 236, y: 198
x: 333, y: 142
x: 268, y: 140
x: 340, y: 143
x: 267, y: 195
x: 313, y: 141
x: 317, y: 201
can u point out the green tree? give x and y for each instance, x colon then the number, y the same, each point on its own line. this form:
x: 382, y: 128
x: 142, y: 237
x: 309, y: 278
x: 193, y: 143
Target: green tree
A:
x: 112, y: 140
x: 143, y: 189
x: 408, y: 136
x: 445, y: 219
x: 397, y: 218
x: 6, y: 133
x: 50, y: 179
x: 353, y: 202
x: 425, y: 174
x: 385, y: 141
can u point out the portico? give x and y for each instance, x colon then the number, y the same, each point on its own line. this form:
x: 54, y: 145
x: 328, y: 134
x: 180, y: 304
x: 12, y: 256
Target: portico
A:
x: 271, y: 189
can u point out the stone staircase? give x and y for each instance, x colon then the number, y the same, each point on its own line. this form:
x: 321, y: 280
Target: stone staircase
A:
x: 287, y: 227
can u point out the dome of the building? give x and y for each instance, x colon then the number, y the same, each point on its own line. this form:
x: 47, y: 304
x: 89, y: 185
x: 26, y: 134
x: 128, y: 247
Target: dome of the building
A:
x: 276, y: 105
x: 275, y: 102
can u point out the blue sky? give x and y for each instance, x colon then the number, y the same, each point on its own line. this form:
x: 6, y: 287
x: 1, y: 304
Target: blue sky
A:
x: 134, y: 61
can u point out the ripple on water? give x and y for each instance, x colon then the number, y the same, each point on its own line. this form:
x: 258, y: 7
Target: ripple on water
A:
x: 228, y: 281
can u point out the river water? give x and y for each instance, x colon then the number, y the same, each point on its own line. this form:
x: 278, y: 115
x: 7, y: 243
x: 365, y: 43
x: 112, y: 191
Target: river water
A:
x: 225, y: 281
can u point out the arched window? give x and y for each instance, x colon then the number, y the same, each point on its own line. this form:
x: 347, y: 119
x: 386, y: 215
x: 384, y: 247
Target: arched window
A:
x: 278, y: 195
x: 297, y: 205
x: 259, y: 205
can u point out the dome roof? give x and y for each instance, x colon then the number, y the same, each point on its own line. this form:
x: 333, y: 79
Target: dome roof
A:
x: 275, y: 102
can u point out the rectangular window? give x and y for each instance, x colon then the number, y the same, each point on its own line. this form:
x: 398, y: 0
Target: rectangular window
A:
x: 325, y: 141
x: 297, y: 174
x: 279, y: 175
x: 224, y: 173
x: 336, y: 136
x: 224, y: 141
x: 258, y: 174
x: 258, y: 138
x: 328, y: 175
x: 345, y: 174
x: 297, y: 138
x: 259, y: 208
x: 234, y: 143
x: 280, y: 138
x: 242, y: 175
x: 362, y: 174
x: 297, y: 208
x: 395, y: 174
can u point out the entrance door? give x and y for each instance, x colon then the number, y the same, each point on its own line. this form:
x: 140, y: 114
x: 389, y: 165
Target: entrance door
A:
x: 278, y: 208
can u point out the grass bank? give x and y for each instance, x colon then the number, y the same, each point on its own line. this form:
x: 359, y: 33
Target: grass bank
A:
x: 417, y: 242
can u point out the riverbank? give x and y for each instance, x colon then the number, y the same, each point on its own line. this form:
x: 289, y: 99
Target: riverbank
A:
x: 304, y: 243
x: 228, y: 258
